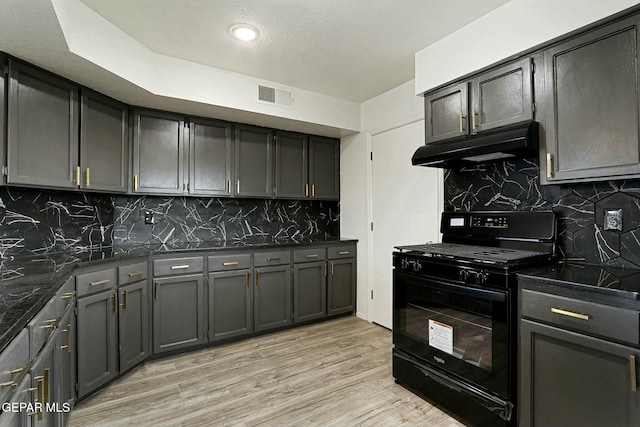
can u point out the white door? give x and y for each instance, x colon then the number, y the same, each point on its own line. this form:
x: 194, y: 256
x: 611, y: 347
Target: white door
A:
x: 406, y: 204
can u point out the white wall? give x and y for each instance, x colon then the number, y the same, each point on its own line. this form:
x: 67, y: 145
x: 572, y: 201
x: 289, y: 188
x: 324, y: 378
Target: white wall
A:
x: 516, y: 26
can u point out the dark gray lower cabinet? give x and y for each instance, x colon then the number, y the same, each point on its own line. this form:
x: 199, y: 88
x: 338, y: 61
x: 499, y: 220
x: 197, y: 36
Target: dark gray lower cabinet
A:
x: 272, y: 297
x: 570, y: 379
x: 44, y: 382
x: 133, y: 324
x: 309, y: 290
x: 66, y: 365
x: 97, y: 335
x: 178, y: 312
x: 341, y: 286
x: 21, y: 395
x: 230, y: 303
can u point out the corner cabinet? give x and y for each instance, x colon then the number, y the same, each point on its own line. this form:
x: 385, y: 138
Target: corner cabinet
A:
x: 592, y: 106
x: 495, y: 98
x: 579, y: 361
x: 158, y: 153
x: 104, y: 144
x: 42, y: 128
x: 253, y: 151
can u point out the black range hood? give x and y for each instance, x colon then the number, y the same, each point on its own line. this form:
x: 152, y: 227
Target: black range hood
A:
x: 519, y: 140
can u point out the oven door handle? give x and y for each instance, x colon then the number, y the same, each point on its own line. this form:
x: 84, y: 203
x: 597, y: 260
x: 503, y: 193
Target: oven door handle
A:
x: 486, y: 294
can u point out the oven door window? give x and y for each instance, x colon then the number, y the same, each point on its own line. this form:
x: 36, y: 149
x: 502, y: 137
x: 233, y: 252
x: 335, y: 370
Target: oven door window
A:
x: 460, y: 329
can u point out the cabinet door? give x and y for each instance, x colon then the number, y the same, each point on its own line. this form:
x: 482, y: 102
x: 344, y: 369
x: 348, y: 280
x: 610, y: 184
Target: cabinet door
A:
x: 44, y: 383
x: 104, y: 143
x: 158, y: 153
x: 210, y: 157
x: 253, y: 157
x: 446, y: 113
x: 97, y: 335
x: 502, y: 96
x: 230, y: 313
x: 309, y: 291
x: 66, y: 364
x: 341, y: 286
x: 23, y: 396
x: 272, y: 297
x: 178, y: 312
x: 133, y: 324
x: 42, y: 128
x: 3, y: 122
x: 592, y: 105
x: 292, y: 159
x: 569, y: 379
x: 324, y: 168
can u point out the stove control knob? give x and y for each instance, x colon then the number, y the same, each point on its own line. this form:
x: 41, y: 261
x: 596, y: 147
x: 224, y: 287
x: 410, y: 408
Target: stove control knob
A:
x: 463, y: 275
x: 404, y: 264
x: 417, y: 265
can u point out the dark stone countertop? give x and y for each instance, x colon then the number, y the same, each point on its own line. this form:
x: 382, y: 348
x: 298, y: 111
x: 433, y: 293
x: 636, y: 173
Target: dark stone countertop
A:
x: 27, y: 283
x: 604, y: 284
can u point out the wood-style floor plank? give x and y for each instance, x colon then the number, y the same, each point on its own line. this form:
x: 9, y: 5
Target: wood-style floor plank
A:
x: 334, y: 373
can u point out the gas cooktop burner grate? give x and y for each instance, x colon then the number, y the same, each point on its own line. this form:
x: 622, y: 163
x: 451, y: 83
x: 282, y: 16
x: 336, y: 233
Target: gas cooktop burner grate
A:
x: 470, y: 252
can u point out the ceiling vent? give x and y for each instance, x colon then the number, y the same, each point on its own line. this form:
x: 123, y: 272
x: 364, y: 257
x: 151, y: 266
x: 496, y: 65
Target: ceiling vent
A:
x: 275, y: 96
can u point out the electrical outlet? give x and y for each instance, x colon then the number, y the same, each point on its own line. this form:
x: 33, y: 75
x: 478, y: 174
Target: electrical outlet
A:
x: 148, y: 217
x: 613, y: 219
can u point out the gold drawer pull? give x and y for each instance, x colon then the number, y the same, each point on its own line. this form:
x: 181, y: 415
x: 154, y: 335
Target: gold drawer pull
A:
x: 632, y: 372
x: 311, y: 256
x: 568, y: 313
x: 136, y: 273
x: 135, y: 183
x: 273, y: 259
x: 86, y: 178
x: 100, y: 282
x: 9, y: 384
x: 68, y: 295
x: 549, y: 165
x: 228, y: 263
x: 179, y: 267
x: 15, y: 371
x: 343, y: 253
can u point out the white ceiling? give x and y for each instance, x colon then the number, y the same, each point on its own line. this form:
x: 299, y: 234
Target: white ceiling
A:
x: 347, y: 49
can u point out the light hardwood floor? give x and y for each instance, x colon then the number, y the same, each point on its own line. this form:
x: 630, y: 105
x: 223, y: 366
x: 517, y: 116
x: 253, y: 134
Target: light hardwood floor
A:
x: 334, y: 373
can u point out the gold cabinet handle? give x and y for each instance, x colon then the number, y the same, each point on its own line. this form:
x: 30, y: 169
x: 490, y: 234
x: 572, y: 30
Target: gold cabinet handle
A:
x: 462, y: 118
x: 100, y: 282
x: 324, y: 269
x: 568, y: 313
x: 135, y: 182
x: 179, y: 267
x: 549, y: 165
x: 125, y: 297
x: 313, y: 190
x: 343, y: 253
x: 257, y: 278
x: 632, y: 373
x: 474, y: 115
x: 306, y: 190
x: 68, y: 295
x: 248, y: 279
x: 86, y: 177
x: 311, y: 256
x: 136, y: 273
x: 238, y: 187
x: 9, y: 384
x: 47, y: 386
x: 68, y: 346
x: 228, y: 263
x: 115, y: 302
x: 78, y: 176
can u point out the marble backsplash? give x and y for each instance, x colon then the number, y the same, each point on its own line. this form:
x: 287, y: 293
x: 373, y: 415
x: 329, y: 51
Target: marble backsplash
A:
x: 515, y: 186
x: 36, y: 221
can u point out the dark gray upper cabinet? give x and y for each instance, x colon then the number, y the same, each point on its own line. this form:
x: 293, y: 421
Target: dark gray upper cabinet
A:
x: 324, y: 168
x: 42, y: 128
x: 502, y: 96
x: 104, y: 143
x: 592, y: 108
x: 158, y: 152
x: 292, y: 166
x: 3, y: 121
x: 497, y: 97
x: 210, y: 157
x: 253, y: 148
x: 447, y: 113
x: 230, y: 303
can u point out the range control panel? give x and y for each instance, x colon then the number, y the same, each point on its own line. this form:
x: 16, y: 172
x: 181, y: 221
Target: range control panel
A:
x: 485, y: 221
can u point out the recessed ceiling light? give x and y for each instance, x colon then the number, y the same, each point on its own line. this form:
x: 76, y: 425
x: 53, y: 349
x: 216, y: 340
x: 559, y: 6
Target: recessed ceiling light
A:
x: 244, y: 32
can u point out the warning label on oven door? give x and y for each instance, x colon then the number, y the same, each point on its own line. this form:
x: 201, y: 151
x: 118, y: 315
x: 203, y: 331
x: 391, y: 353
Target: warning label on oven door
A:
x: 441, y: 336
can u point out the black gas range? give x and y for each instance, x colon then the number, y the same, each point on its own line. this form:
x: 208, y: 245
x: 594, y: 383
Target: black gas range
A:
x: 454, y: 311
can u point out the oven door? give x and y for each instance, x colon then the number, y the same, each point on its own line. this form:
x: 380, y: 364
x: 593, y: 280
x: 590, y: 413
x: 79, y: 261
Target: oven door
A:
x: 459, y: 329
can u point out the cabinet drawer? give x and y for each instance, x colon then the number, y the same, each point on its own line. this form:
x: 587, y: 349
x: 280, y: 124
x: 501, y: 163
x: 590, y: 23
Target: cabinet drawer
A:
x: 176, y: 266
x: 308, y: 255
x: 337, y: 252
x: 41, y: 327
x: 89, y: 283
x: 229, y: 262
x: 584, y: 316
x: 260, y: 259
x: 14, y: 363
x: 132, y: 273
x: 65, y: 296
